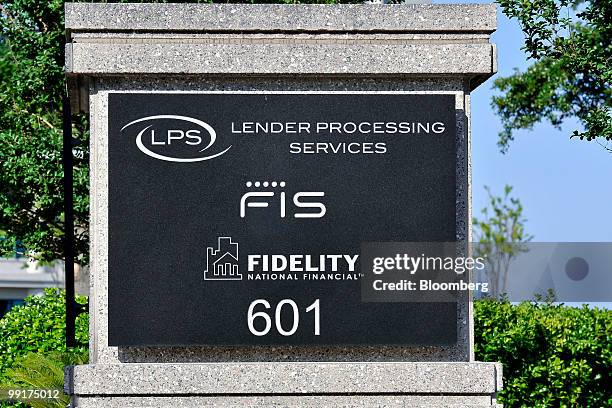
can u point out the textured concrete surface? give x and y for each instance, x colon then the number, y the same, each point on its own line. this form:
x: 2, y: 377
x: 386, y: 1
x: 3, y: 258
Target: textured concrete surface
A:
x: 408, y: 37
x: 270, y: 18
x: 321, y: 59
x: 284, y: 378
x: 305, y: 401
x: 349, y: 40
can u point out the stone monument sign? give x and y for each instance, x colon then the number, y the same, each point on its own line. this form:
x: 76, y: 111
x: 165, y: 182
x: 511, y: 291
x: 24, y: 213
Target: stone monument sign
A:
x: 251, y: 165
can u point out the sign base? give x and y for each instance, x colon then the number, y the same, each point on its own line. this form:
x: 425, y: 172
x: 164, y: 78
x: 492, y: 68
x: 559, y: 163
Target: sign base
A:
x: 361, y: 384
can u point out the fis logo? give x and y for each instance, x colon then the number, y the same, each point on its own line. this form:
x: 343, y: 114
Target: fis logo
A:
x: 176, y: 138
x: 303, y: 204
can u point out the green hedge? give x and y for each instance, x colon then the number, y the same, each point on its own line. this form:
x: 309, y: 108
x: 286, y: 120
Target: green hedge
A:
x: 38, y: 325
x: 553, y: 355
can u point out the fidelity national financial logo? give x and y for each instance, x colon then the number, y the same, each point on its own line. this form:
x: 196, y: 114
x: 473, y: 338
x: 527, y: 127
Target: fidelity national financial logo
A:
x: 223, y: 264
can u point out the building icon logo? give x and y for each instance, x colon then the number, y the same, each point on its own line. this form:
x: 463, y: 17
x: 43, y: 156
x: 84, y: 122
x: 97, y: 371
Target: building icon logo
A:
x: 222, y: 263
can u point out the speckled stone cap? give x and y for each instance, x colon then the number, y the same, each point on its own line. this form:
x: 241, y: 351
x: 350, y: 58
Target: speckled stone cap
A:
x: 281, y: 18
x: 354, y: 40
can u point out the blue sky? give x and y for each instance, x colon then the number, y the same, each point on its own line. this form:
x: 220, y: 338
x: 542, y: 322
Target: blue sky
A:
x: 565, y: 185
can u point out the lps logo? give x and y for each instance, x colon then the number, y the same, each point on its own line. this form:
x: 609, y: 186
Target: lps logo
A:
x: 222, y: 262
x: 302, y: 200
x: 176, y: 138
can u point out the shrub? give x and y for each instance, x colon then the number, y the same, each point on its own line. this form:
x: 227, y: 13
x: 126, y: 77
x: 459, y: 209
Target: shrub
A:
x: 38, y: 326
x: 553, y: 355
x: 43, y: 372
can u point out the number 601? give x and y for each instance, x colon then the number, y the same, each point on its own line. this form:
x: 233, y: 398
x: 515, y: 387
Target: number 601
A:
x: 251, y: 316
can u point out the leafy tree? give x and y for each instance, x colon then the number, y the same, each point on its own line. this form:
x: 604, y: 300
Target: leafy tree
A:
x: 500, y: 236
x: 570, y: 44
x: 31, y: 61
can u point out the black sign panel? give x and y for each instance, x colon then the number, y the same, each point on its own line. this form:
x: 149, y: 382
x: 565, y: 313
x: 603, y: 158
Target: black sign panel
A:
x: 237, y: 218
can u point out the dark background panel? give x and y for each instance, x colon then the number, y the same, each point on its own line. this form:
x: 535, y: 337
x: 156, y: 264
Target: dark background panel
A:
x: 163, y: 215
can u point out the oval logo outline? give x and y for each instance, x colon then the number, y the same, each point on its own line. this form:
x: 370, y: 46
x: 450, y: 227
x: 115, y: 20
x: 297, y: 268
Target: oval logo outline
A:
x: 150, y: 153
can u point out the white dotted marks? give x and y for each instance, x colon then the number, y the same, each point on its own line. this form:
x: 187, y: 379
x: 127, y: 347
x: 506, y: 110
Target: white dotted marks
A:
x: 250, y: 184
